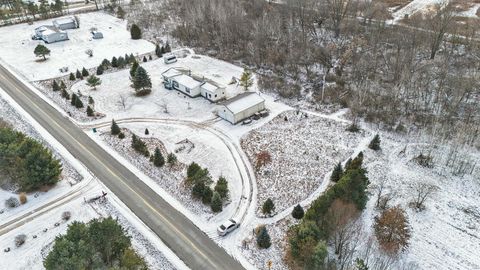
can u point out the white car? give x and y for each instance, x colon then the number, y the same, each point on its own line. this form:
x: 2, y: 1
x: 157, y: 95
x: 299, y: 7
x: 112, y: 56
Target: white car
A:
x: 227, y: 227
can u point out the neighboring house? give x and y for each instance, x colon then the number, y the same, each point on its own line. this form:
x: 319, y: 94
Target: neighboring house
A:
x: 241, y: 107
x: 50, y: 34
x: 65, y: 23
x: 212, y: 92
x: 97, y: 35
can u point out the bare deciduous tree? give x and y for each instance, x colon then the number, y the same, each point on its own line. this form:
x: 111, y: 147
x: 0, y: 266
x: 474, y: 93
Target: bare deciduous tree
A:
x: 421, y: 192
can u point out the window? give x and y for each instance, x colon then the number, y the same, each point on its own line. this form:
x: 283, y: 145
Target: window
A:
x: 187, y: 90
x: 175, y: 85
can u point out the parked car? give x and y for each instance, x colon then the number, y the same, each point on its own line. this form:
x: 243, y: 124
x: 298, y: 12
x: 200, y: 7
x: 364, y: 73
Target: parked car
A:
x: 256, y: 116
x: 247, y: 121
x: 169, y: 58
x: 227, y: 227
x: 264, y: 113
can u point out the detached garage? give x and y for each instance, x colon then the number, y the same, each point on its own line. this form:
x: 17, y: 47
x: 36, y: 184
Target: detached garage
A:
x: 241, y: 107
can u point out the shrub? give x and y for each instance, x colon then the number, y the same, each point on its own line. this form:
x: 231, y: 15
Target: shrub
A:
x: 222, y: 187
x: 135, y: 32
x: 121, y: 135
x: 353, y: 128
x: 66, y: 215
x: 268, y: 207
x: 171, y: 159
x: 22, y: 197
x: 298, y: 212
x: 20, y: 240
x: 263, y: 158
x: 12, y: 202
x: 263, y: 238
x: 375, y: 143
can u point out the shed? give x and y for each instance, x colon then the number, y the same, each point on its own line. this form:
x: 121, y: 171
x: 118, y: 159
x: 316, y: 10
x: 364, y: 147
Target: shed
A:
x: 187, y: 85
x: 241, y: 107
x: 212, y: 91
x: 50, y: 34
x: 65, y: 23
x: 97, y: 35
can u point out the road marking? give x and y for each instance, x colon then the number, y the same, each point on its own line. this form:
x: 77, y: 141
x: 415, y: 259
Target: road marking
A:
x: 111, y: 172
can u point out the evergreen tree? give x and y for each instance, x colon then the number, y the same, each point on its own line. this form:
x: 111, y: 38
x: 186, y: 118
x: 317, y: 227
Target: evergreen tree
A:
x: 144, y: 59
x: 222, y: 187
x: 246, y: 80
x: 121, y: 62
x: 141, y: 82
x: 298, y: 212
x: 65, y: 94
x: 216, y: 203
x: 41, y: 51
x: 132, y: 59
x: 133, y: 70
x: 319, y: 255
x: 89, y: 111
x: 158, y: 52
x: 93, y: 81
x: 150, y: 57
x: 162, y: 50
x: 114, y: 62
x: 85, y: 72
x: 78, y: 103
x: 55, y: 86
x: 121, y: 135
x: 192, y: 169
x: 268, y: 207
x: 375, y: 143
x: 146, y: 131
x: 263, y: 238
x: 139, y: 146
x: 90, y: 100
x: 73, y: 101
x: 158, y: 159
x: 62, y: 86
x: 72, y: 77
x: 105, y: 64
x: 114, y: 128
x: 167, y: 48
x: 78, y: 75
x: 337, y: 173
x: 171, y: 159
x: 100, y: 70
x: 135, y: 32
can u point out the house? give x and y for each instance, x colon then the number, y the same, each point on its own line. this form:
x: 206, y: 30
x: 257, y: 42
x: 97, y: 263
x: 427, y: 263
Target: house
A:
x: 66, y: 23
x: 212, y: 91
x: 187, y: 85
x: 96, y: 35
x: 241, y: 107
x: 50, y: 34
x: 168, y: 76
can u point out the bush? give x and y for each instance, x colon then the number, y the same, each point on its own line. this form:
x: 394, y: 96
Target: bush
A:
x: 263, y: 158
x: 121, y: 135
x: 171, y: 159
x: 12, y: 202
x: 375, y: 143
x: 66, y: 215
x: 268, y: 207
x: 22, y: 197
x: 263, y: 238
x: 20, y: 240
x: 298, y: 212
x: 353, y: 128
x: 135, y: 32
x: 222, y: 187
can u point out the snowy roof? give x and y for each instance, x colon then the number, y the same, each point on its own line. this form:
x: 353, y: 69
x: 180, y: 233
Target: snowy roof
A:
x: 171, y: 72
x: 243, y: 101
x: 187, y: 81
x: 64, y: 20
x: 48, y: 29
x: 210, y: 87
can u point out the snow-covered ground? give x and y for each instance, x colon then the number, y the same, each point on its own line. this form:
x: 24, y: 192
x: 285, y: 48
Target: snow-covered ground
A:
x: 17, y: 49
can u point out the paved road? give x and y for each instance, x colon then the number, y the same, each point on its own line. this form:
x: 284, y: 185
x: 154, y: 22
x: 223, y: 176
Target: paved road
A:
x: 188, y: 242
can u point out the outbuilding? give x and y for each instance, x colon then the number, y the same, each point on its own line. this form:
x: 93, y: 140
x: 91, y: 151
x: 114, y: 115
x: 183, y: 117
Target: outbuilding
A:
x: 97, y: 35
x: 50, y: 34
x: 212, y: 91
x: 66, y: 23
x: 241, y: 107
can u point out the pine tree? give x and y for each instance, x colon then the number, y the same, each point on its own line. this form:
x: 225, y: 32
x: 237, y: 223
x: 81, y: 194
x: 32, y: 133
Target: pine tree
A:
x: 85, y: 72
x: 133, y: 69
x: 268, y: 207
x: 216, y: 203
x: 100, y: 70
x: 146, y: 131
x: 171, y: 159
x: 62, y: 86
x: 222, y: 187
x: 89, y: 111
x: 93, y: 81
x: 114, y: 128
x: 298, y: 212
x: 55, y: 86
x: 150, y: 57
x: 72, y: 77
x: 121, y: 135
x: 90, y: 100
x: 132, y: 59
x: 375, y: 143
x: 78, y: 103
x: 263, y: 238
x: 73, y: 101
x: 141, y: 82
x: 167, y: 48
x: 78, y: 75
x: 121, y: 62
x: 337, y: 173
x: 65, y: 94
x: 105, y: 63
x: 162, y: 50
x: 158, y: 159
x: 158, y: 52
x: 144, y: 59
x: 246, y: 80
x: 114, y: 62
x: 135, y: 32
x: 41, y: 51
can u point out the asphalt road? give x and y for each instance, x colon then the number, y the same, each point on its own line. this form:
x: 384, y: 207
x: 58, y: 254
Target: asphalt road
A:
x: 188, y: 242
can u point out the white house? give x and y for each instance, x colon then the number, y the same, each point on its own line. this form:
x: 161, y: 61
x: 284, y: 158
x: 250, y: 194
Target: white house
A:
x: 212, y: 91
x: 187, y: 85
x: 50, y: 34
x: 241, y: 107
x: 65, y: 23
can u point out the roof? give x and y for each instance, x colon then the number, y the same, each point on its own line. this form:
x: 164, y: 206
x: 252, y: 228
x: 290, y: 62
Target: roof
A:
x: 171, y: 72
x: 210, y: 87
x: 243, y: 101
x: 64, y: 20
x: 187, y: 81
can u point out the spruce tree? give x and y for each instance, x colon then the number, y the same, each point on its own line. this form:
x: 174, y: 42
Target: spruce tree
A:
x: 85, y: 72
x: 100, y: 70
x: 62, y: 86
x: 298, y: 212
x: 246, y: 80
x: 216, y: 203
x: 337, y: 173
x: 90, y: 100
x: 162, y: 50
x: 150, y: 57
x: 133, y: 69
x: 141, y: 82
x: 263, y: 238
x: 89, y: 111
x: 144, y: 59
x: 268, y: 207
x: 78, y: 75
x: 78, y: 103
x: 121, y: 62
x: 55, y: 86
x: 73, y: 101
x: 65, y: 94
x: 135, y: 32
x: 158, y: 52
x: 114, y: 128
x: 158, y: 159
x: 72, y: 77
x: 167, y: 48
x: 114, y: 62
x: 222, y: 187
x: 171, y: 159
x: 132, y: 59
x: 105, y: 64
x: 375, y: 143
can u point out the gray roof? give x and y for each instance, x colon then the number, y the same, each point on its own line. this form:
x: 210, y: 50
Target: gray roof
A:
x: 243, y: 101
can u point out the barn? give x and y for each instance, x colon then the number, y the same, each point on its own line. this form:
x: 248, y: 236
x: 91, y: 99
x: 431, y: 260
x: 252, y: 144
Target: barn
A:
x: 66, y: 23
x: 241, y: 107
